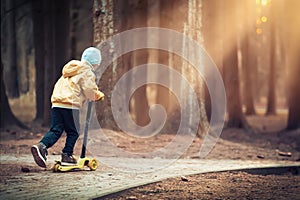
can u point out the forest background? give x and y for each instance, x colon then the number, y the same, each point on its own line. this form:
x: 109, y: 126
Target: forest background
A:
x: 254, y: 43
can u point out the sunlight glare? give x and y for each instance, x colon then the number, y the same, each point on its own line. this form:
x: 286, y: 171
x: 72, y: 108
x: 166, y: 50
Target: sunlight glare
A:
x: 258, y: 22
x: 264, y: 19
x: 258, y: 10
x: 264, y: 2
x: 258, y: 31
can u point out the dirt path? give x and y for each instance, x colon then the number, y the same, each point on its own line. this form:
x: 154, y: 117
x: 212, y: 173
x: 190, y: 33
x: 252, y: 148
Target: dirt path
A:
x: 43, y: 184
x: 267, y: 145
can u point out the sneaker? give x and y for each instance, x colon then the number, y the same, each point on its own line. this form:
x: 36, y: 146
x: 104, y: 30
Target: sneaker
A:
x: 39, y: 154
x: 67, y: 160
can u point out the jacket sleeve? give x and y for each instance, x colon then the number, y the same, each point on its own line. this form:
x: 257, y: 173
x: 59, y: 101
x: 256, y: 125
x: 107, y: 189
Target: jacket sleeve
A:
x: 90, y: 88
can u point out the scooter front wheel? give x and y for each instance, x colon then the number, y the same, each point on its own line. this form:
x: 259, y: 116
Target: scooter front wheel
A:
x: 93, y: 164
x: 55, y: 167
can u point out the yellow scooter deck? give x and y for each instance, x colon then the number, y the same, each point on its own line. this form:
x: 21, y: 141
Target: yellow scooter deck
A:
x: 92, y: 163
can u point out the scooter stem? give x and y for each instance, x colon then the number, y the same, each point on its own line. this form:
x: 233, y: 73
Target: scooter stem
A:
x: 86, y: 129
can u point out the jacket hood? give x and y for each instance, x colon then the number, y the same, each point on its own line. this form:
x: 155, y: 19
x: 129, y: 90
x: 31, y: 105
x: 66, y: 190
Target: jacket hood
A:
x: 73, y: 68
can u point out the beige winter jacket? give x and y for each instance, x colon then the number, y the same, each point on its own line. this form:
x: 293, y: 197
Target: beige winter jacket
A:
x: 77, y: 83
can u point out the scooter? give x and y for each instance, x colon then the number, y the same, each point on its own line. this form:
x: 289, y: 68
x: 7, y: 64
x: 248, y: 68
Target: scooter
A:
x: 83, y: 161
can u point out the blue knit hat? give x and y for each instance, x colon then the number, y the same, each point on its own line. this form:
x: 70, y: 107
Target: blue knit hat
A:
x: 92, y: 55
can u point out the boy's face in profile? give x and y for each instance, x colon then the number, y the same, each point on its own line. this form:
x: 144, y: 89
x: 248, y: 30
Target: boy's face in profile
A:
x: 95, y: 66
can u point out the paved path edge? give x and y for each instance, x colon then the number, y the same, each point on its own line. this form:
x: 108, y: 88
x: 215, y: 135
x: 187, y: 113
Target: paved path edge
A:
x: 285, y: 168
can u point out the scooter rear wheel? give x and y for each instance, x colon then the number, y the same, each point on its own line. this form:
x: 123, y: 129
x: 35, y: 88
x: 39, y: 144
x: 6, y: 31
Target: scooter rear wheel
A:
x: 93, y: 164
x: 55, y: 167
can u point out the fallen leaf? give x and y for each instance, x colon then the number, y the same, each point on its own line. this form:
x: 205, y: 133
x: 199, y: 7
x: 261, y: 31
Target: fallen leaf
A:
x: 260, y: 156
x: 195, y: 157
x: 282, y: 153
x: 183, y: 178
x: 25, y: 169
x: 131, y: 198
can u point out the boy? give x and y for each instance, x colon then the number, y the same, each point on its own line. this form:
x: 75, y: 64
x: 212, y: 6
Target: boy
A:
x: 76, y: 84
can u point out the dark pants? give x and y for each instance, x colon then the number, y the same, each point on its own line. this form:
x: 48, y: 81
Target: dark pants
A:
x: 63, y: 119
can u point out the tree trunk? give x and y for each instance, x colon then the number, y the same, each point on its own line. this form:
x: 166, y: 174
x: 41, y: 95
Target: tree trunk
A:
x: 103, y: 20
x: 49, y: 58
x: 7, y: 118
x: 236, y: 118
x: 271, y: 106
x: 294, y: 94
x: 168, y: 17
x: 141, y: 106
x: 212, y: 34
x: 39, y: 49
x: 56, y: 47
x: 192, y: 25
x: 125, y: 10
x: 11, y: 72
x: 251, y: 70
x: 153, y: 20
x: 292, y: 48
x: 61, y: 37
x: 248, y: 56
x: 162, y: 95
x: 248, y: 78
x: 74, y: 27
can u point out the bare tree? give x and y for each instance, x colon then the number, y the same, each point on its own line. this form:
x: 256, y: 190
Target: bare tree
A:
x: 56, y: 47
x: 7, y: 118
x: 165, y: 17
x: 271, y: 106
x: 236, y: 117
x: 62, y: 36
x: 212, y: 34
x: 103, y: 20
x: 293, y: 60
x: 294, y: 94
x: 11, y: 72
x: 49, y: 7
x: 141, y: 106
x: 74, y: 9
x: 39, y: 46
x: 113, y: 17
x: 248, y: 55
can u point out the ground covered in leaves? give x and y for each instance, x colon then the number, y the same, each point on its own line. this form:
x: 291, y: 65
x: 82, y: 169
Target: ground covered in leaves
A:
x: 223, y: 185
x: 266, y: 141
